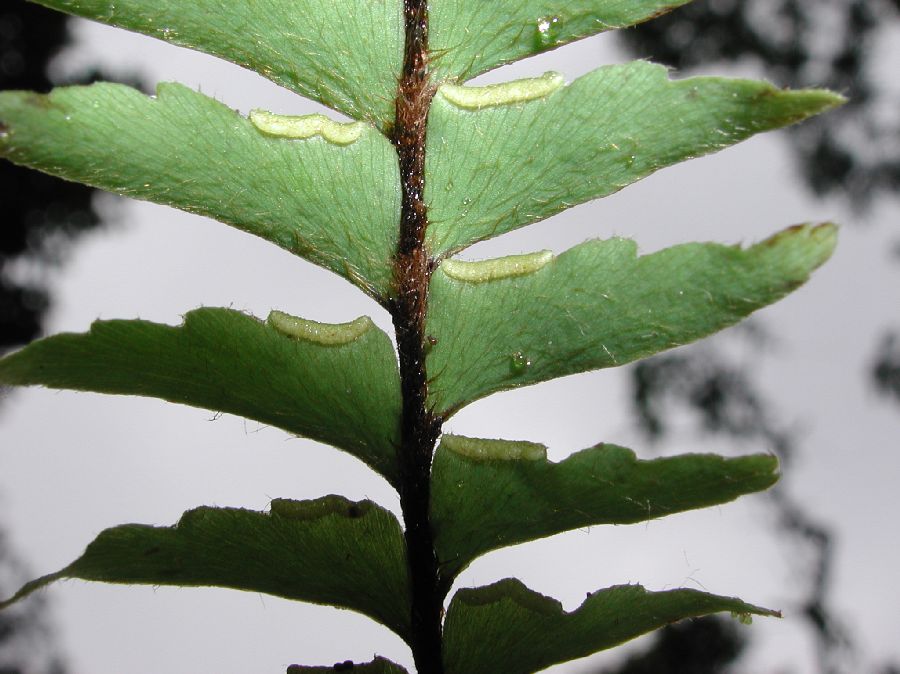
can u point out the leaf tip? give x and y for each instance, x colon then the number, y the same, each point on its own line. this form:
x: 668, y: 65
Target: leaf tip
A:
x: 821, y: 100
x: 31, y: 587
x: 770, y: 471
x: 826, y: 234
x: 800, y: 104
x: 746, y: 617
x: 810, y: 244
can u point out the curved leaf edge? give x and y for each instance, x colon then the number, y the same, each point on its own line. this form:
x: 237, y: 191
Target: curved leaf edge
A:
x: 379, y: 665
x: 160, y: 28
x: 287, y: 509
x: 167, y: 97
x: 760, y: 471
x: 16, y: 371
x: 603, y: 621
x: 514, y: 590
x: 799, y: 105
x: 813, y: 243
x: 32, y: 586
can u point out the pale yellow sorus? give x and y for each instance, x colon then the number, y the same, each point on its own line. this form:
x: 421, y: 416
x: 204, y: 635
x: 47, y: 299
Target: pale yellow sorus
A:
x: 326, y: 334
x: 507, y: 93
x: 497, y: 268
x: 494, y: 450
x: 306, y: 126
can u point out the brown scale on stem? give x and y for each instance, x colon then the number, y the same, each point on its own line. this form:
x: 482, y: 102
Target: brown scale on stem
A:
x: 408, y: 306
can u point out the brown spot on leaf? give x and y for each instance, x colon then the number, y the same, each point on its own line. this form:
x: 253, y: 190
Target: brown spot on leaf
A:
x: 38, y: 100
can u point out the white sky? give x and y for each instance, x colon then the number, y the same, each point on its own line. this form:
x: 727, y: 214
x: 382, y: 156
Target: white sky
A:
x: 73, y: 464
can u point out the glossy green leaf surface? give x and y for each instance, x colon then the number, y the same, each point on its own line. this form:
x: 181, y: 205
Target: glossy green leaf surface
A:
x: 345, y: 53
x: 327, y: 551
x: 469, y: 37
x: 487, y: 494
x: 502, y: 166
x: 505, y: 627
x: 347, y: 395
x: 598, y: 305
x: 336, y: 205
x: 377, y: 666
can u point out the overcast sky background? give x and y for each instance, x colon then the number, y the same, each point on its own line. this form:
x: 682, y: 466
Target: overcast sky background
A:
x: 73, y: 464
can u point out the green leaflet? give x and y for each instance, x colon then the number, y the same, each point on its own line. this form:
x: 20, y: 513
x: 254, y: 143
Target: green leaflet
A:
x: 487, y: 494
x: 345, y: 53
x: 377, y: 666
x: 504, y: 166
x: 347, y: 395
x: 600, y: 305
x: 327, y: 551
x: 336, y: 205
x: 499, y: 157
x: 505, y: 627
x: 469, y: 37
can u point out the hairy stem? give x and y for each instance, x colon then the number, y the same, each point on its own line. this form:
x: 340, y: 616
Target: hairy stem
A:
x: 412, y: 271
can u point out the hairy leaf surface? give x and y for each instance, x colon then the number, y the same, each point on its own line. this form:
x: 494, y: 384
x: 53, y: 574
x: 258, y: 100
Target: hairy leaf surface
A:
x: 347, y: 395
x: 469, y: 37
x: 598, y: 305
x: 500, y: 166
x: 507, y: 627
x: 345, y: 53
x: 336, y: 205
x: 327, y: 551
x: 487, y: 494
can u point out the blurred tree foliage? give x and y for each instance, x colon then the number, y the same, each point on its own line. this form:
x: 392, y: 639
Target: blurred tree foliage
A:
x: 886, y: 370
x: 852, y: 153
x: 705, y: 646
x: 721, y: 400
x: 41, y: 214
x: 26, y: 637
x: 701, y: 392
